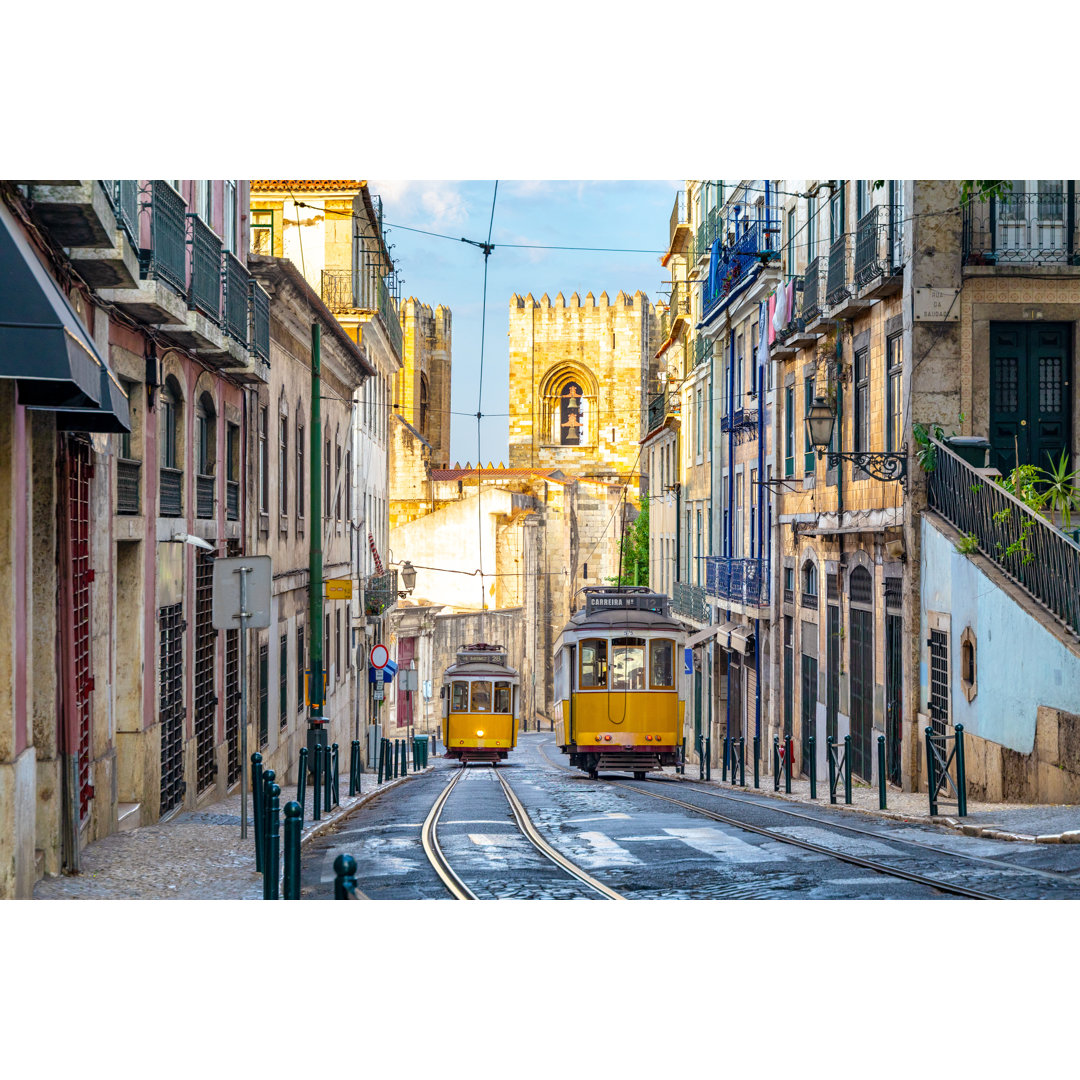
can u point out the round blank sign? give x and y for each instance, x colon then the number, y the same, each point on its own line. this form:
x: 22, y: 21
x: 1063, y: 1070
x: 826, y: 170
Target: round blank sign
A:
x: 380, y: 654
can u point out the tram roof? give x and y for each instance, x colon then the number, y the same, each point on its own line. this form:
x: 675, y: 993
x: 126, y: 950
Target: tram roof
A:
x: 612, y: 620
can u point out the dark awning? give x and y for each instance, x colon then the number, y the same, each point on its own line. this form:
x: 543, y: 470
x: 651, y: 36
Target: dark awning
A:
x: 44, y: 347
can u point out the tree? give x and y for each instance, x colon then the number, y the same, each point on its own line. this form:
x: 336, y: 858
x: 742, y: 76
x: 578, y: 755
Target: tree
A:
x: 635, y: 550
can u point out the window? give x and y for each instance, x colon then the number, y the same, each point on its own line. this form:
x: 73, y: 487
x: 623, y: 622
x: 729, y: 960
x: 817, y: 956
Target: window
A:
x: 698, y: 425
x: 752, y: 391
x: 459, y: 697
x: 661, y: 664
x: 894, y: 405
x: 337, y: 481
x: 229, y: 231
x: 283, y: 680
x: 861, y: 433
x: 792, y: 230
x: 811, y: 229
x: 326, y: 650
x: 283, y: 460
x: 628, y: 664
x: 593, y: 664
x: 232, y: 451
x: 204, y: 434
x: 836, y: 213
x: 299, y: 668
x: 789, y: 431
x: 737, y: 547
x: 264, y: 693
x: 753, y: 511
x: 170, y: 416
x: 502, y: 697
x: 424, y: 394
x: 262, y: 232
x: 337, y: 644
x: 862, y: 198
x: 129, y: 388
x: 204, y: 200
x: 481, y: 697
x: 698, y: 552
x: 264, y: 461
x: 326, y: 481
x: 808, y: 449
x: 571, y: 413
x: 348, y: 485
x: 300, y: 444
x: 789, y: 584
x: 810, y: 586
x: 968, y: 679
x: 740, y: 373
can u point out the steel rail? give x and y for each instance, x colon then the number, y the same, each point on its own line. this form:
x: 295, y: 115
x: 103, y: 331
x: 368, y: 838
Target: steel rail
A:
x: 428, y: 838
x: 530, y: 832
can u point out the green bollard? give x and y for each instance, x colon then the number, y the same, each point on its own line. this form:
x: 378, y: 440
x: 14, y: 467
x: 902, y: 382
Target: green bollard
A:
x: 327, y: 776
x: 881, y: 772
x: 931, y: 772
x: 352, y: 768
x: 787, y: 764
x: 830, y: 746
x: 256, y: 807
x: 724, y: 760
x: 847, y: 770
x: 301, y: 781
x: 813, y: 768
x: 273, y: 842
x: 682, y: 758
x: 380, y: 757
x: 961, y: 774
x: 344, y: 877
x: 434, y: 746
x: 776, y: 762
x: 404, y: 757
x: 268, y: 778
x: 316, y: 783
x: 294, y: 825
x: 742, y: 761
x: 708, y: 757
x: 757, y: 761
x: 337, y: 777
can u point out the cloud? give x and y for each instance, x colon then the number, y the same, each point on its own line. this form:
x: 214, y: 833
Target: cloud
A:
x: 424, y: 204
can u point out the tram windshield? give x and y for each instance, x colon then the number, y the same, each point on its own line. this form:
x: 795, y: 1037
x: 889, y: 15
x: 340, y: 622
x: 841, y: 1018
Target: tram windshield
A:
x: 502, y: 697
x: 594, y: 664
x: 661, y: 658
x: 481, y: 697
x: 628, y: 664
x: 459, y: 697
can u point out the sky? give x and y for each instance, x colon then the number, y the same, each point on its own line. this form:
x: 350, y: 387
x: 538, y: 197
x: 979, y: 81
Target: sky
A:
x: 606, y: 214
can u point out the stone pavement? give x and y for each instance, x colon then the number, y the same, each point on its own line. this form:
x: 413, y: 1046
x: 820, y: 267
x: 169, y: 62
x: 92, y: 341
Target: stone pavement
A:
x: 1047, y: 824
x: 196, y: 855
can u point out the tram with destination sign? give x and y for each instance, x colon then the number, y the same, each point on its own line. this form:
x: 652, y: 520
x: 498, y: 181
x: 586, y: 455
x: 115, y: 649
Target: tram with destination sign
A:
x: 480, y: 703
x: 618, y: 697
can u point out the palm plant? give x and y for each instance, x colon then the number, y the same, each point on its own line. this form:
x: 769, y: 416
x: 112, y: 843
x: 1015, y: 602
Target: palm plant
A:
x: 1060, y: 490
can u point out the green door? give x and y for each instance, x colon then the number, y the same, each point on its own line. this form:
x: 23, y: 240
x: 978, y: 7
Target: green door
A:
x: 1030, y: 372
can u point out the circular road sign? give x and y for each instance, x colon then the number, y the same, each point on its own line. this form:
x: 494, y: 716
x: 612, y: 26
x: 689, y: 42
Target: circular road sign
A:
x: 380, y: 656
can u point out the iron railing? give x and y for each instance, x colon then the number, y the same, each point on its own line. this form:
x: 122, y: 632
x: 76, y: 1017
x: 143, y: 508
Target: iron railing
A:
x: 388, y: 312
x: 127, y: 486
x: 204, y: 286
x: 813, y: 291
x: 124, y: 196
x: 235, y: 278
x: 339, y: 290
x: 232, y: 500
x: 752, y: 249
x: 204, y: 496
x: 680, y: 300
x: 871, y: 247
x: 1029, y: 228
x: 744, y: 421
x: 166, y: 257
x: 171, y: 492
x: 701, y: 351
x: 678, y: 216
x: 657, y: 410
x: 742, y: 581
x: 838, y: 280
x: 260, y: 320
x: 1027, y: 548
x: 808, y: 600
x: 689, y: 600
x: 380, y: 592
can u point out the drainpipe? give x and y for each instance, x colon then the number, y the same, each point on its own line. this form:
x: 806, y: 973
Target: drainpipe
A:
x: 762, y: 488
x: 316, y: 733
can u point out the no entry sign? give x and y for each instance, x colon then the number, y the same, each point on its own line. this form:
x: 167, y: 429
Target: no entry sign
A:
x: 380, y: 655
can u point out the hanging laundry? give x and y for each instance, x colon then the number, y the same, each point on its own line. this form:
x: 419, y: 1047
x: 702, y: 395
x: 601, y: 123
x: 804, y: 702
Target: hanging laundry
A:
x: 763, y: 340
x: 772, y: 318
x: 779, y: 314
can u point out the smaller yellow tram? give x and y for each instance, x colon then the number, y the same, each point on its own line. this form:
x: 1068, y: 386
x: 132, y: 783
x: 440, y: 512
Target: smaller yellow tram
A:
x: 480, y: 702
x: 618, y: 697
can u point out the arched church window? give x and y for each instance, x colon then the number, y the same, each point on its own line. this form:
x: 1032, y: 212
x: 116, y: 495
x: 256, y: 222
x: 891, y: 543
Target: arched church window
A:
x: 423, y: 405
x: 570, y: 414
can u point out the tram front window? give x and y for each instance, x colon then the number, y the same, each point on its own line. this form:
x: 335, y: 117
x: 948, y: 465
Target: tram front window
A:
x: 594, y: 664
x: 459, y: 698
x: 481, y: 697
x: 502, y: 697
x: 628, y: 664
x: 662, y: 655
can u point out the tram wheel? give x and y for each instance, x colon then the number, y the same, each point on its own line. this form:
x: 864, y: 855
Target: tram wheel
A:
x: 594, y: 774
x: 639, y: 776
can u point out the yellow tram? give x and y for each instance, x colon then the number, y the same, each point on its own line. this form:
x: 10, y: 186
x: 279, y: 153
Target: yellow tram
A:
x: 480, y: 701
x: 618, y: 703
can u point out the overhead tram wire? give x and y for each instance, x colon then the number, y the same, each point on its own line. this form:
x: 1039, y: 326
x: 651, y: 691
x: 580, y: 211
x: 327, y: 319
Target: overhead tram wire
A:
x: 487, y: 249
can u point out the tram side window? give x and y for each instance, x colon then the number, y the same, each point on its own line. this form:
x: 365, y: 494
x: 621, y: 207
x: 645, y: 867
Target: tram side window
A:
x: 628, y: 664
x: 459, y: 700
x: 502, y: 697
x: 661, y: 659
x: 594, y: 664
x: 481, y: 697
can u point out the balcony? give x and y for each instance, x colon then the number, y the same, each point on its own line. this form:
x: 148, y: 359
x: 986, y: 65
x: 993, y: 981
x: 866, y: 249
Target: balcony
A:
x: 657, y: 410
x: 814, y: 287
x: 113, y: 261
x: 689, y: 601
x: 679, y: 307
x: 877, y: 268
x: 77, y: 213
x: 744, y: 422
x: 235, y: 280
x: 1022, y: 229
x: 125, y: 197
x: 737, y: 581
x: 171, y: 492
x: 678, y: 226
x: 204, y: 496
x: 380, y: 592
x: 700, y: 352
x: 127, y: 486
x: 388, y: 312
x: 165, y: 259
x: 808, y: 600
x: 737, y: 262
x: 339, y: 291
x: 837, y: 282
x: 204, y: 287
x: 232, y: 500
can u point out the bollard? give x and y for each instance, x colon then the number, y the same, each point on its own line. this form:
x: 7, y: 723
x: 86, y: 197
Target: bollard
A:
x: 776, y: 762
x: 344, y: 877
x: 830, y: 746
x: 301, y: 781
x: 353, y: 747
x: 724, y: 762
x: 700, y: 761
x: 742, y: 761
x: 337, y: 777
x: 813, y: 768
x: 256, y: 806
x: 881, y: 772
x: 405, y: 757
x: 757, y: 756
x: 381, y: 758
x: 294, y: 825
x: 961, y: 774
x: 708, y: 757
x: 327, y: 777
x: 434, y: 746
x: 787, y: 764
x: 273, y: 842
x: 931, y: 772
x: 397, y: 754
x: 268, y: 778
x: 682, y: 758
x: 847, y: 769
x: 316, y: 783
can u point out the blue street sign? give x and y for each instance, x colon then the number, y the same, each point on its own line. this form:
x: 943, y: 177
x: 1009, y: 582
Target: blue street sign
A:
x: 379, y: 675
x: 688, y: 662
x: 391, y: 669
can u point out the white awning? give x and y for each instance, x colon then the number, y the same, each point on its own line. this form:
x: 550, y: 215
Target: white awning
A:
x: 742, y: 639
x: 702, y: 635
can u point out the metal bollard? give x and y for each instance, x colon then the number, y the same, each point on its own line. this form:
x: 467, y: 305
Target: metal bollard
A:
x: 256, y: 806
x: 268, y: 778
x: 847, y: 769
x: 327, y: 777
x: 742, y: 761
x: 337, y: 777
x: 682, y: 758
x: 931, y: 772
x: 881, y: 772
x: 316, y: 783
x: 344, y: 877
x: 435, y: 745
x: 830, y: 745
x: 776, y: 762
x: 961, y: 774
x: 813, y: 768
x: 397, y: 755
x: 294, y: 825
x: 353, y: 746
x: 273, y: 843
x: 301, y: 781
x: 725, y: 759
x: 708, y: 757
x: 380, y: 757
x: 787, y: 764
x: 404, y: 757
x: 757, y: 756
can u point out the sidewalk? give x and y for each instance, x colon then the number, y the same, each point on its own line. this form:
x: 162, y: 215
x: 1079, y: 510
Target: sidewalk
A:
x: 1044, y: 824
x: 196, y: 855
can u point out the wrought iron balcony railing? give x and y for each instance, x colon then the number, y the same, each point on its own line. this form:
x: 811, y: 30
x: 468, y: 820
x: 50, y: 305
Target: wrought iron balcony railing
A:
x: 838, y: 282
x: 232, y: 500
x: 260, y: 320
x: 124, y: 196
x: 204, y: 496
x: 689, y: 600
x: 753, y: 248
x: 171, y: 492
x: 1041, y: 559
x: 657, y: 410
x: 813, y: 289
x: 795, y: 321
x: 380, y: 592
x: 680, y: 300
x: 741, y: 581
x: 235, y: 279
x: 204, y: 286
x: 872, y: 247
x: 678, y: 217
x: 127, y: 486
x: 339, y: 290
x: 745, y: 421
x: 388, y: 312
x: 808, y: 600
x: 1028, y: 228
x: 166, y: 258
x: 700, y: 351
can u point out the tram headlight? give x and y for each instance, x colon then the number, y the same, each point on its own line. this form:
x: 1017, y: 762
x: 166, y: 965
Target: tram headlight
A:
x: 479, y: 734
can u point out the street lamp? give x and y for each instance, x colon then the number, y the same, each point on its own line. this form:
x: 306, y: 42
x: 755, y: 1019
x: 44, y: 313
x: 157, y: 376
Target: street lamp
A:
x: 408, y: 576
x: 880, y: 464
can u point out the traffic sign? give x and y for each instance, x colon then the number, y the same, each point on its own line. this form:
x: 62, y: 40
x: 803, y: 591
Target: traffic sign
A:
x: 380, y: 656
x: 225, y: 605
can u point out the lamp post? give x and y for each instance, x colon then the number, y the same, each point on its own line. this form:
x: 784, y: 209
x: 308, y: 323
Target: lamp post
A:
x: 880, y: 464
